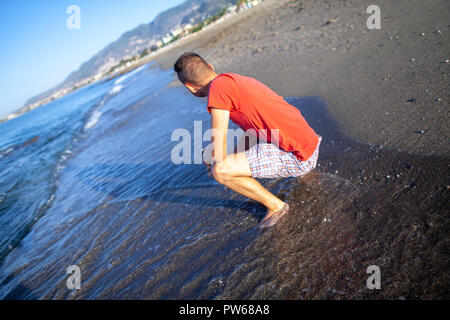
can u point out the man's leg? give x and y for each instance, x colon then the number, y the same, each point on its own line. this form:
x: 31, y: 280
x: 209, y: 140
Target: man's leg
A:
x: 234, y: 172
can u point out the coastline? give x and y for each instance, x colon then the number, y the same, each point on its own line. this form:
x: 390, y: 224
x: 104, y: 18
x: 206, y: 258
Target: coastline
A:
x: 102, y: 77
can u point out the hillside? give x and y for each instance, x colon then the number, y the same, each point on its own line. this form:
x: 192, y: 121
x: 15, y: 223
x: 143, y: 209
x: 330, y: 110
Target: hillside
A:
x: 134, y: 41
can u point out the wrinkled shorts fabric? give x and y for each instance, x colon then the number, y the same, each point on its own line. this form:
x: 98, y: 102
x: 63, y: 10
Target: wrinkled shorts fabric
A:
x: 268, y: 161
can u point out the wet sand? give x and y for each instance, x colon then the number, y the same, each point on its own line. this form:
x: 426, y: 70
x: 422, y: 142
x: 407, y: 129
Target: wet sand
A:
x: 364, y: 205
x: 380, y: 193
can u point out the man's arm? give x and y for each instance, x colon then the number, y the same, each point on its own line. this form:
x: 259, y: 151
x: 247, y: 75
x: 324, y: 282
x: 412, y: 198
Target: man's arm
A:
x: 219, y: 126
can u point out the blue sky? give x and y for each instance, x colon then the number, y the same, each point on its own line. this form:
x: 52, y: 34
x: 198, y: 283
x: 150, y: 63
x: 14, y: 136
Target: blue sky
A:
x: 38, y: 50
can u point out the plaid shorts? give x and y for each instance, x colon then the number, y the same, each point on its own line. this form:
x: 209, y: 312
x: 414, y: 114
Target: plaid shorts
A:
x: 268, y: 161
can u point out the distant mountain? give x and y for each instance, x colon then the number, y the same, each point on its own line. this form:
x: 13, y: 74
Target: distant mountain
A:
x: 143, y: 36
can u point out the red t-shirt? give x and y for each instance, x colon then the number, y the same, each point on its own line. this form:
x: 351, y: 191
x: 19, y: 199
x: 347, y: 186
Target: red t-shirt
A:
x: 253, y: 105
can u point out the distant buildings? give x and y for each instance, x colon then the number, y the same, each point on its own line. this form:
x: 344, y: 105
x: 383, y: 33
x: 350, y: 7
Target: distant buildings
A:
x: 177, y: 31
x: 247, y: 4
x: 183, y: 30
x: 232, y: 9
x: 166, y: 39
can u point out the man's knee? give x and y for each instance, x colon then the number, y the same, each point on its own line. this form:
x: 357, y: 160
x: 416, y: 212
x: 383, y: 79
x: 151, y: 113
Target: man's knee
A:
x: 220, y: 173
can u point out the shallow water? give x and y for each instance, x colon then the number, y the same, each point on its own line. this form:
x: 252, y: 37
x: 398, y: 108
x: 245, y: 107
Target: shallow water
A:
x: 141, y: 227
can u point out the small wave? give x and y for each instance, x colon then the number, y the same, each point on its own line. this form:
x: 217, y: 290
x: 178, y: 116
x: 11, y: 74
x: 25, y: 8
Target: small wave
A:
x: 6, y: 152
x: 116, y: 89
x: 96, y: 114
x: 128, y: 75
x: 93, y: 119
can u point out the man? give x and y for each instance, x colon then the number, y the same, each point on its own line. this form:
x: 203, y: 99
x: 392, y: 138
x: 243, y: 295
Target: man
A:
x: 253, y: 106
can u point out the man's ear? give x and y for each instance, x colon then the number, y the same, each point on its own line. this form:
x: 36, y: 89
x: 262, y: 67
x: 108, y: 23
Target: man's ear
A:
x: 192, y: 88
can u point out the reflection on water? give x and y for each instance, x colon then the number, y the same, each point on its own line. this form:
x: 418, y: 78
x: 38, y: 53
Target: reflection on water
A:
x: 140, y: 227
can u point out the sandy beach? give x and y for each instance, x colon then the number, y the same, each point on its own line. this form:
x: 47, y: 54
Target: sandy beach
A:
x: 382, y: 86
x: 380, y: 98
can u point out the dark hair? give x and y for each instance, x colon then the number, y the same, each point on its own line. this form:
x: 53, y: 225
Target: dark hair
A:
x: 192, y: 68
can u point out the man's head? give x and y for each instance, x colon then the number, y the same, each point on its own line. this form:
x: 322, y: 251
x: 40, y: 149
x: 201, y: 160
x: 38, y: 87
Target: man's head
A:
x: 195, y: 73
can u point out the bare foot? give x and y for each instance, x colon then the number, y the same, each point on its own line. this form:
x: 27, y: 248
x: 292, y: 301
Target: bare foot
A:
x: 273, y: 217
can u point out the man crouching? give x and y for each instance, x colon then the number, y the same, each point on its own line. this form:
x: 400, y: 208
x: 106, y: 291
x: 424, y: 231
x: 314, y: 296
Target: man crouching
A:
x: 254, y: 107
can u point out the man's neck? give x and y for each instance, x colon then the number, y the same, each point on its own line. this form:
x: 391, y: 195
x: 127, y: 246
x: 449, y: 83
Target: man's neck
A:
x: 210, y: 79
